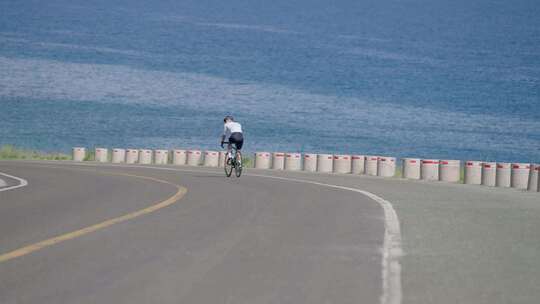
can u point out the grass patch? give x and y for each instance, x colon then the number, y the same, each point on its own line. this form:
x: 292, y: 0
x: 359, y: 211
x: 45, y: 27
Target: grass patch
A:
x: 90, y: 156
x: 247, y: 162
x: 11, y: 152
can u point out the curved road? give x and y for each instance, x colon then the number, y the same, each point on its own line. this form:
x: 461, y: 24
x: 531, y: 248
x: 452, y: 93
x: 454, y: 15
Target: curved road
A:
x: 90, y: 233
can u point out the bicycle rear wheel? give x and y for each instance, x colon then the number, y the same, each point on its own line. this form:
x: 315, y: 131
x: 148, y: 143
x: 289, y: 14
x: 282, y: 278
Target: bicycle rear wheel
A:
x: 238, y: 167
x: 228, y: 166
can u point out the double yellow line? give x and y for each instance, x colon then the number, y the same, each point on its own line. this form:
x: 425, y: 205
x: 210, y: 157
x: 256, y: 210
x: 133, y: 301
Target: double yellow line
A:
x: 181, y: 191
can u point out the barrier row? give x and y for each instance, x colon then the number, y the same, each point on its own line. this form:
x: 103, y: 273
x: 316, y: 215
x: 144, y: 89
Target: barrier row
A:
x: 158, y: 157
x: 327, y: 163
x: 515, y: 175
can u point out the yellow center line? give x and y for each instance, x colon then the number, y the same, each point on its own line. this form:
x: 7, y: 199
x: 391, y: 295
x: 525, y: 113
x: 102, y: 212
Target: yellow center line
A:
x: 78, y: 233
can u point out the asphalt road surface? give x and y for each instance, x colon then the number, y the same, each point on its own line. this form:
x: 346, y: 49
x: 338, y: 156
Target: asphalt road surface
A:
x: 91, y: 233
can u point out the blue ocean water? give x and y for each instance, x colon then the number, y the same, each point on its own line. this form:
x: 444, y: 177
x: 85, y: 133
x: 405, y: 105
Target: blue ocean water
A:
x: 427, y: 78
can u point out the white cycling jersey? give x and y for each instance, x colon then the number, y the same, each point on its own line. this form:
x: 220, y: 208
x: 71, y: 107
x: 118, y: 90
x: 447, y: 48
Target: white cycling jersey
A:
x: 230, y: 128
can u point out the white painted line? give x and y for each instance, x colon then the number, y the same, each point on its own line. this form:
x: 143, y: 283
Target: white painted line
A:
x: 391, y: 249
x: 22, y: 182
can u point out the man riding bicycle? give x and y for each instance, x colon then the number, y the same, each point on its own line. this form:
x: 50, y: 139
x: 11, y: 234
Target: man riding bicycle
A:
x: 232, y: 133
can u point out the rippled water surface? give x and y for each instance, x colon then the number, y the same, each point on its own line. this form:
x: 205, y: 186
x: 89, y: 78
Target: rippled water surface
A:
x: 440, y: 79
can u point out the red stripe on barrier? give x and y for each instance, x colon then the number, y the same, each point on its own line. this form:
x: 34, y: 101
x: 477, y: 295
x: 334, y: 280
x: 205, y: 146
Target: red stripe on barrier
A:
x: 279, y: 155
x: 329, y: 157
x: 487, y: 166
x: 356, y: 157
x: 430, y: 162
x: 521, y: 167
x: 412, y: 161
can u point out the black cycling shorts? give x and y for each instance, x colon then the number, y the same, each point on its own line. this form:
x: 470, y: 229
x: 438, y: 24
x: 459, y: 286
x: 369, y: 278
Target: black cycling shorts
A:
x: 237, y: 139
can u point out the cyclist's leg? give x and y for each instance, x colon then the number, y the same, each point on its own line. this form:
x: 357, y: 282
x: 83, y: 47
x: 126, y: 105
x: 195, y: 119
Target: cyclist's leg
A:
x: 229, y: 148
x: 238, y: 153
x: 238, y: 156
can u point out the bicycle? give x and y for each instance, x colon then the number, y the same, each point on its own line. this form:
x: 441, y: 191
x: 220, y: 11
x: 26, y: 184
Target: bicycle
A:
x: 233, y: 162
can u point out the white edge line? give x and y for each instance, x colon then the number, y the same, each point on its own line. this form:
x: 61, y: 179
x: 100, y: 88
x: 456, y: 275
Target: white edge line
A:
x: 391, y: 249
x: 22, y: 182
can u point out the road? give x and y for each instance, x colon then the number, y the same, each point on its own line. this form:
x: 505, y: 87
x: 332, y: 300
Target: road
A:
x: 96, y: 233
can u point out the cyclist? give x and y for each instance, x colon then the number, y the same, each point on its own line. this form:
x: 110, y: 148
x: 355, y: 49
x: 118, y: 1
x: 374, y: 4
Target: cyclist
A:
x: 232, y: 132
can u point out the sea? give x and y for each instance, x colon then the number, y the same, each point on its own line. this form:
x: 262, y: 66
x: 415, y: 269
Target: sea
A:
x: 407, y: 78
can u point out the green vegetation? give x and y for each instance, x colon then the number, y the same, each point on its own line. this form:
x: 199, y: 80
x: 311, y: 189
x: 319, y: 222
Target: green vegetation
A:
x: 11, y: 152
x: 247, y: 162
x: 399, y: 172
x: 90, y: 156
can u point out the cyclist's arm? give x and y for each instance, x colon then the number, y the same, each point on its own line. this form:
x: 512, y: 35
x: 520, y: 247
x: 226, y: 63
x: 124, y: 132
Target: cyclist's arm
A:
x: 224, y: 134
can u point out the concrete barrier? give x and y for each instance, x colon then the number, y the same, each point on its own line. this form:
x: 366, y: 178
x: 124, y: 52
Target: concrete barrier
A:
x: 473, y: 172
x: 161, y: 157
x: 449, y: 170
x: 179, y: 157
x: 503, y: 175
x: 411, y: 168
x: 132, y: 156
x: 211, y: 159
x: 533, y: 178
x: 102, y: 155
x: 118, y: 156
x: 263, y: 160
x: 278, y: 161
x: 371, y: 165
x: 520, y: 175
x: 222, y: 157
x: 358, y: 163
x: 145, y: 156
x: 489, y: 174
x: 79, y: 154
x: 342, y: 164
x: 293, y: 161
x: 310, y: 162
x: 194, y: 157
x: 386, y: 167
x: 325, y: 163
x: 429, y: 169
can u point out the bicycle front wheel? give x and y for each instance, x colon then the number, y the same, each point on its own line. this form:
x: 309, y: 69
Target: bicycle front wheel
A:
x: 238, y: 167
x: 228, y: 167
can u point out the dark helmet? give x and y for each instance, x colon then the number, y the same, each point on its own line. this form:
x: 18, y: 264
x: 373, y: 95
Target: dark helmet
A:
x: 228, y: 117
